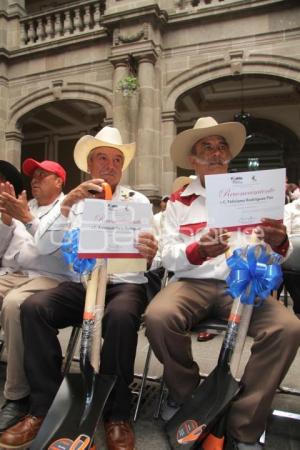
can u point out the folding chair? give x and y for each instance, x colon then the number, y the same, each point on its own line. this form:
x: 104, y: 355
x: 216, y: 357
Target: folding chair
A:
x: 153, y: 288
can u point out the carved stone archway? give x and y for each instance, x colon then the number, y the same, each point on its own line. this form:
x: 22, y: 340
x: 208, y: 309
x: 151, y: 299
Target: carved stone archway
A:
x: 271, y: 66
x: 47, y: 123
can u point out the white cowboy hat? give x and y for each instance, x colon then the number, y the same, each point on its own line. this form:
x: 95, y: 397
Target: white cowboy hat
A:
x: 233, y: 132
x: 107, y: 137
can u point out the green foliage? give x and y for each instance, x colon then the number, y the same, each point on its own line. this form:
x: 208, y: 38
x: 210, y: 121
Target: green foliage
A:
x: 128, y: 85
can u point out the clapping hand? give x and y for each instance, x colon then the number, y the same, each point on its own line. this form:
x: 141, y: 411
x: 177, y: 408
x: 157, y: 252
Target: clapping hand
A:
x: 12, y: 206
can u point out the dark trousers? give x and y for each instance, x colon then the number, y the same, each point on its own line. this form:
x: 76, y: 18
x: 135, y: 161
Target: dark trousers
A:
x: 42, y: 314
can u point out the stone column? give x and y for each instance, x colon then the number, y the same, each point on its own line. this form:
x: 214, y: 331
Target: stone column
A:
x: 168, y: 135
x: 147, y: 159
x: 4, y: 108
x: 13, y: 147
x: 16, y: 10
x: 120, y: 117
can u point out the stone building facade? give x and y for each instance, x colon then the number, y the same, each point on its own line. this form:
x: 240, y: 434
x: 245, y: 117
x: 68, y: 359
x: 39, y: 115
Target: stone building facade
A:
x: 61, y: 63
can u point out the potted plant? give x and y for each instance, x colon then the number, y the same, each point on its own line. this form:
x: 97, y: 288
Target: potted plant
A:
x: 128, y: 85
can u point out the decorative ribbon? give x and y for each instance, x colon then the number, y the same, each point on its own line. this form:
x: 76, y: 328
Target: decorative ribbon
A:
x: 254, y: 274
x: 69, y: 248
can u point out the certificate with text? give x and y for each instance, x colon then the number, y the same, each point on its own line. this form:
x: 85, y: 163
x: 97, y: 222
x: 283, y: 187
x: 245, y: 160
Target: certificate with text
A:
x: 241, y: 199
x: 110, y: 229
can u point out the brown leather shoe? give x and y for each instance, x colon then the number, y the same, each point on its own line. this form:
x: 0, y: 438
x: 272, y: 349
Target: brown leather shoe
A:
x: 22, y: 433
x: 119, y: 435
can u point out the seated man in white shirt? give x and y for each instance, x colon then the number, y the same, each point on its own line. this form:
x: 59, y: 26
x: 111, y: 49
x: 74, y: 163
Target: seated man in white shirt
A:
x: 196, y: 256
x: 291, y: 279
x: 104, y: 157
x: 24, y: 270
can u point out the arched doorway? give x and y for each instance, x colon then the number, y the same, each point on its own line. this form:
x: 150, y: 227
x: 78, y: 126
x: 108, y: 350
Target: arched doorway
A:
x: 51, y: 131
x: 273, y: 131
x: 272, y: 145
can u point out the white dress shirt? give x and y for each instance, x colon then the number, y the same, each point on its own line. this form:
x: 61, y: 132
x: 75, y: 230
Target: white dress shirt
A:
x: 292, y: 217
x: 18, y: 248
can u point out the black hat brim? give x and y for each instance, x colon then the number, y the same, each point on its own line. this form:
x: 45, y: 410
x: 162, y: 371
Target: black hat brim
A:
x: 11, y: 174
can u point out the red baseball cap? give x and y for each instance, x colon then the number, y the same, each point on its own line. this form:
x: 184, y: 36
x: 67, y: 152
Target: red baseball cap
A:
x: 30, y: 165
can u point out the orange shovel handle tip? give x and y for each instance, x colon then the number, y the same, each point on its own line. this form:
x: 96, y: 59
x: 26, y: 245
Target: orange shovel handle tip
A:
x: 107, y: 191
x: 213, y: 443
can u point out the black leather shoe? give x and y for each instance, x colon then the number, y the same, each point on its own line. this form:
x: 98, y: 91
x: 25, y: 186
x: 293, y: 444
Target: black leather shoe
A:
x: 12, y: 411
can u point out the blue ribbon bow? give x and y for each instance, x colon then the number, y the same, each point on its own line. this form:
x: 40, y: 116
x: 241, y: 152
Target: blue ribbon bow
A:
x: 69, y: 249
x: 254, y: 274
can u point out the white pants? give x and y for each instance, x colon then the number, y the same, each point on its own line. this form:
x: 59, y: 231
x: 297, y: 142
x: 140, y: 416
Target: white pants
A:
x: 14, y: 289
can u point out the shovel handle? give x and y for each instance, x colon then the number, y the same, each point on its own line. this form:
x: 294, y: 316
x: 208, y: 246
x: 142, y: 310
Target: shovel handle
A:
x: 100, y: 300
x: 99, y: 311
x: 92, y: 284
x: 238, y: 324
x: 92, y: 319
x: 245, y: 314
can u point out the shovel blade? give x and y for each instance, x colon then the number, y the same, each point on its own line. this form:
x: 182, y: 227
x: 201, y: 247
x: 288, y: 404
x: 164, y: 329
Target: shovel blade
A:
x: 63, y: 419
x: 202, y: 409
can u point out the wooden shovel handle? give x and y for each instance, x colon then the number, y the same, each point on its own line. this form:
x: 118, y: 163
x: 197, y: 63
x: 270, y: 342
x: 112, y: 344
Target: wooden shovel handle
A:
x: 99, y: 299
x: 245, y: 312
x: 91, y: 289
x: 99, y: 311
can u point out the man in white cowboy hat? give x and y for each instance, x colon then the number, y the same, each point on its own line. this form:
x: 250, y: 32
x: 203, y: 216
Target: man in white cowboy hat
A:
x: 196, y: 255
x: 23, y: 270
x: 104, y: 157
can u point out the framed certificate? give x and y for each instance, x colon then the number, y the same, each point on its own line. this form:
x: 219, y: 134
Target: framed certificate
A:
x: 109, y: 229
x: 239, y: 200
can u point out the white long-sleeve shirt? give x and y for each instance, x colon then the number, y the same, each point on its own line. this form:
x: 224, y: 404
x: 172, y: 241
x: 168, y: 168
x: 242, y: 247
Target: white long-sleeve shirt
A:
x: 185, y: 222
x: 49, y: 236
x: 292, y: 217
x: 18, y: 248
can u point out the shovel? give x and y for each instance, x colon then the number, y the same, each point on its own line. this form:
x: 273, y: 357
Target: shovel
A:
x: 203, y: 410
x: 78, y: 405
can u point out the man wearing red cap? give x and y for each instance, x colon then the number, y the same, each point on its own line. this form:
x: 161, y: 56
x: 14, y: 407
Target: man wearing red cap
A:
x: 24, y: 270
